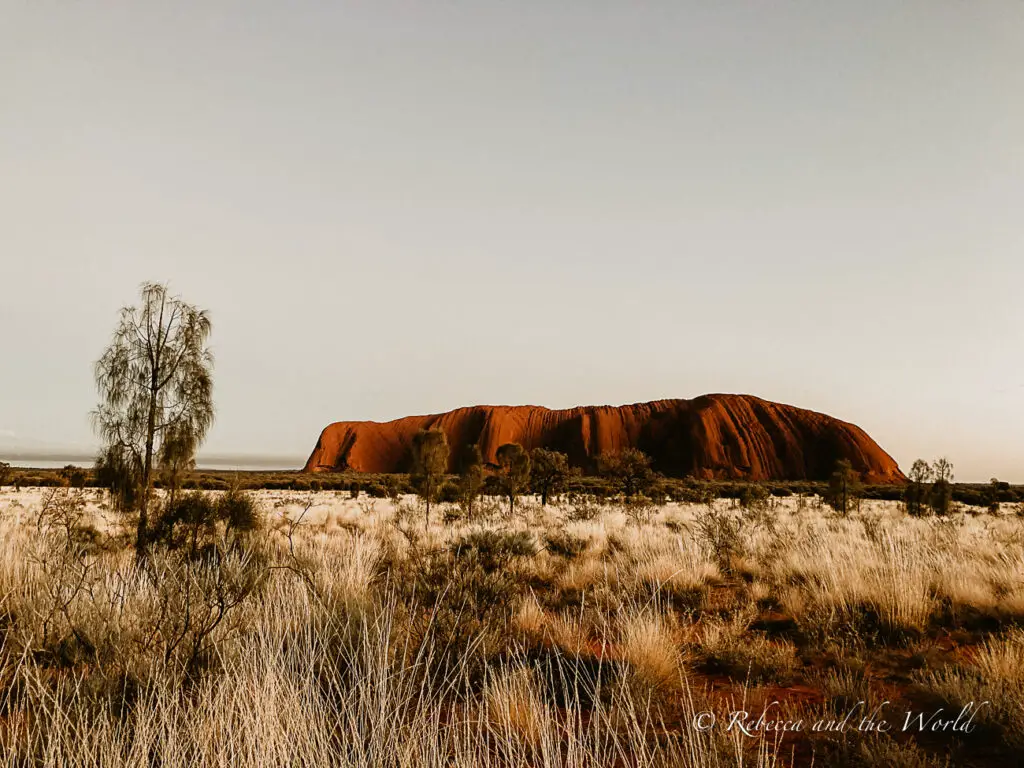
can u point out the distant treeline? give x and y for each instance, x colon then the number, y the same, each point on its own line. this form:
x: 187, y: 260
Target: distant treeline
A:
x: 382, y: 485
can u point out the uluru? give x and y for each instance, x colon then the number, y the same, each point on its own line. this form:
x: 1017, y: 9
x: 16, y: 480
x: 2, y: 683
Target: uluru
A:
x: 738, y: 437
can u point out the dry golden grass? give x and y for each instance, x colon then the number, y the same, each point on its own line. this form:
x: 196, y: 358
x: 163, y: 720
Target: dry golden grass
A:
x: 650, y: 645
x: 348, y: 634
x: 514, y: 707
x: 993, y: 684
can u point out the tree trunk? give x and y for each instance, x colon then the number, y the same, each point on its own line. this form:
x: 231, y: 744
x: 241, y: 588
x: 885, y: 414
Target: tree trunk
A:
x: 142, y: 533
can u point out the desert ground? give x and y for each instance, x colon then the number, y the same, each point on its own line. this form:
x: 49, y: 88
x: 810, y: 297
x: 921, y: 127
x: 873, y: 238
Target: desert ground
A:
x: 345, y: 632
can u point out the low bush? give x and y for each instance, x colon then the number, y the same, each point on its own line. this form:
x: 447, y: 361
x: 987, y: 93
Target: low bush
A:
x: 565, y: 544
x: 494, y: 549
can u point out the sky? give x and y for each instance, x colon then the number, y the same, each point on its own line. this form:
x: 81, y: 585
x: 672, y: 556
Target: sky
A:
x: 395, y: 208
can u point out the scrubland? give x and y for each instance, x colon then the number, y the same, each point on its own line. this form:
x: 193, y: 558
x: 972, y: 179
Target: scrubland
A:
x: 346, y: 632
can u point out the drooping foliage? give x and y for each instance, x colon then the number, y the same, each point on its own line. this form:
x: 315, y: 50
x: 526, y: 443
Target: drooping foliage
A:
x: 155, y: 385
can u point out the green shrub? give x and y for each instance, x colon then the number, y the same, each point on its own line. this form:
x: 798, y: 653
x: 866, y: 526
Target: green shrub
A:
x: 393, y: 487
x: 450, y: 492
x: 754, y: 496
x: 940, y: 497
x: 915, y: 499
x: 701, y: 493
x: 565, y: 544
x: 494, y: 549
x: 75, y: 477
x: 191, y: 518
x: 239, y: 511
x: 657, y: 492
x: 463, y: 600
x: 194, y: 513
x: 549, y: 473
x: 376, y: 490
x: 844, y: 488
x: 722, y: 533
x: 629, y: 471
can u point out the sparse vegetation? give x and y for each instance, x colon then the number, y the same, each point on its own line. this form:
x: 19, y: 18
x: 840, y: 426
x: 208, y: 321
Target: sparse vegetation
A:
x: 941, y: 495
x: 844, y: 488
x: 549, y: 473
x: 548, y: 631
x: 915, y: 494
x: 471, y: 477
x: 930, y: 489
x: 429, y: 465
x: 156, y: 398
x: 754, y: 497
x: 513, y: 472
x: 75, y: 477
x: 629, y: 470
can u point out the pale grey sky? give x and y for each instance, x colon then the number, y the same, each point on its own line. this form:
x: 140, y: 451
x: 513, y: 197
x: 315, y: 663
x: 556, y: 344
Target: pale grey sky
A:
x: 394, y: 208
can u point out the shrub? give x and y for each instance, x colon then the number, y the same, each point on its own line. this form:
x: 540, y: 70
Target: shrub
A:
x: 429, y: 463
x: 754, y: 497
x: 726, y: 648
x: 721, y: 531
x: 492, y: 486
x: 464, y: 597
x: 513, y: 472
x: 940, y: 498
x: 843, y: 488
x: 197, y: 514
x: 494, y: 549
x: 450, y: 492
x: 565, y: 544
x: 471, y: 477
x: 549, y: 473
x: 393, y: 487
x: 239, y: 511
x: 994, y: 495
x: 76, y: 477
x: 629, y: 470
x: 701, y: 493
x: 639, y: 509
x: 657, y: 492
x: 376, y: 490
x: 193, y: 512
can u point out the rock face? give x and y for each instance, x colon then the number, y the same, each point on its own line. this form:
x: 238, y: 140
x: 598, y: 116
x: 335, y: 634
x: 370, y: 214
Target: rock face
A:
x: 709, y: 437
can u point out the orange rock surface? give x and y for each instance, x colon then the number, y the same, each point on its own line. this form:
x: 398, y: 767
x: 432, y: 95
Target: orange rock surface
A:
x: 709, y: 437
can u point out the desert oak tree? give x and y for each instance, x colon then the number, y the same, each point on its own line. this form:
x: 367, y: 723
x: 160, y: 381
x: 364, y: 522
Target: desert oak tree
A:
x: 155, y: 385
x: 471, y: 477
x: 844, y: 488
x: 429, y: 464
x: 514, y: 466
x: 629, y: 469
x: 549, y: 472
